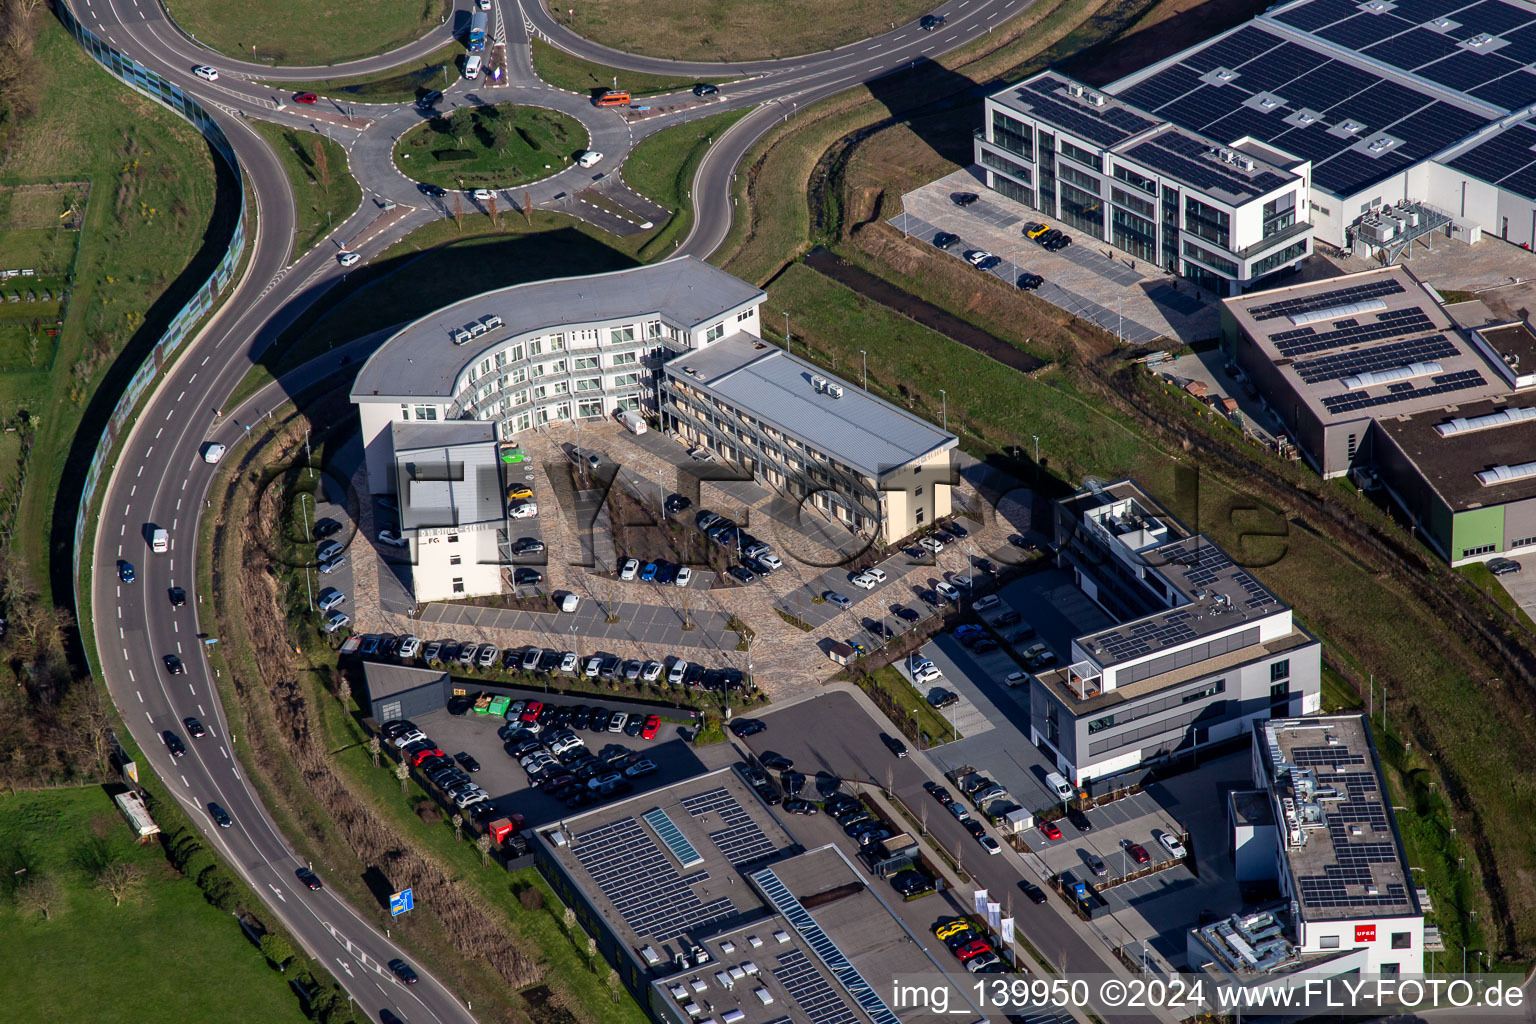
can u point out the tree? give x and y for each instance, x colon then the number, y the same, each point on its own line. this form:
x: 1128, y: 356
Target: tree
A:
x: 276, y: 948
x: 531, y: 898
x: 322, y: 165
x: 483, y: 844
x: 570, y: 922
x: 493, y: 212
x: 591, y: 953
x: 458, y: 210
x: 527, y: 206
x: 613, y: 984
x: 458, y: 828
x: 38, y: 895
x: 373, y: 748
x: 403, y: 773
x: 123, y: 881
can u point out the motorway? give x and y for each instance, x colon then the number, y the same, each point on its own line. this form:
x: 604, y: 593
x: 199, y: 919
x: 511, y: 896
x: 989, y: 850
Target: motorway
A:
x: 160, y: 478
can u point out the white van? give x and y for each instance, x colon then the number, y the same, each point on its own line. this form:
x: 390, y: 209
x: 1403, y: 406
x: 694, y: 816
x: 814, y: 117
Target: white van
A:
x: 160, y: 541
x: 570, y: 602
x: 1058, y: 784
x: 472, y: 66
x: 633, y: 422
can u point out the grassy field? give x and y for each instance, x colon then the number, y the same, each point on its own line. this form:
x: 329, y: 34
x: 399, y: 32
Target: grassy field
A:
x: 734, y: 29
x: 151, y: 199
x: 436, y: 71
x: 1489, y: 584
x: 138, y: 962
x: 491, y: 147
x: 934, y: 724
x: 324, y: 192
x: 662, y: 167
x: 291, y: 32
x: 567, y: 71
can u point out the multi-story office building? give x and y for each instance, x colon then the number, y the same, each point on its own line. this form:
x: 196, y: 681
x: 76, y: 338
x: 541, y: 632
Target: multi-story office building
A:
x: 1201, y: 648
x: 545, y: 352
x: 1223, y: 216
x: 875, y: 467
x: 452, y: 514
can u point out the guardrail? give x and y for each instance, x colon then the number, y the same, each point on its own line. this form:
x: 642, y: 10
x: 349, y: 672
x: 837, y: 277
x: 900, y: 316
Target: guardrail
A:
x: 181, y: 326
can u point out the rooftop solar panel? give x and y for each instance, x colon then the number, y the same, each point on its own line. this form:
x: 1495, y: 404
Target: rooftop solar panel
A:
x: 1466, y: 70
x: 1440, y: 385
x: 1313, y: 16
x: 1354, y: 169
x: 1379, y: 357
x: 1364, y: 29
x: 1413, y: 49
x: 1424, y: 10
x: 1493, y: 17
x: 643, y: 886
x: 1512, y: 91
x: 1498, y: 156
x: 1326, y: 300
x: 741, y: 840
x: 1235, y: 50
x: 1522, y: 182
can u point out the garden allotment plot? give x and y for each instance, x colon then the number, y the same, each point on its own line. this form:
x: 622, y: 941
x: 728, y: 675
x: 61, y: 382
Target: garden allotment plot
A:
x: 39, y: 236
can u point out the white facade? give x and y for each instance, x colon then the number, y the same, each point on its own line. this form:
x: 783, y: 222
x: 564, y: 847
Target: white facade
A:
x: 452, y: 563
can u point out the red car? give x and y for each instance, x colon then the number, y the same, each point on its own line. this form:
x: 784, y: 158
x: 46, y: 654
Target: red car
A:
x: 422, y: 755
x: 532, y: 712
x: 1049, y: 830
x: 305, y: 97
x: 652, y: 723
x: 1137, y: 851
x: 976, y: 947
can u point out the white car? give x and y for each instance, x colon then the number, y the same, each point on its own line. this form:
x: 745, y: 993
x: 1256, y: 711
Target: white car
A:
x: 618, y: 721
x: 862, y: 580
x: 679, y: 669
x: 525, y: 510
x: 651, y: 672
x: 206, y: 73
x: 932, y: 544
x: 213, y: 452
x: 876, y: 573
x: 410, y: 646
x: 631, y: 566
x: 484, y: 5
x: 347, y: 259
x: 978, y: 256
x: 338, y: 620
x: 964, y: 582
x: 569, y: 662
x: 684, y: 577
x: 408, y: 737
x: 484, y: 193
x: 1016, y: 679
x: 1172, y: 845
x: 947, y: 591
x: 771, y: 560
x: 983, y: 603
x: 927, y: 674
x: 591, y: 158
x: 472, y: 66
x: 393, y: 539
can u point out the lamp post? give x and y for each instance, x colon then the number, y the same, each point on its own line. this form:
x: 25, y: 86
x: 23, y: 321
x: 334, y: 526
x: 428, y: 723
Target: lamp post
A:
x: 1037, y: 456
x: 944, y: 400
x: 303, y: 514
x: 787, y: 345
x: 307, y: 460
x: 864, y: 373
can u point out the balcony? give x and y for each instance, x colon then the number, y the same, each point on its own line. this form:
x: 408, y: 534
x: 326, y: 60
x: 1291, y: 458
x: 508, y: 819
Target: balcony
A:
x: 1295, y: 231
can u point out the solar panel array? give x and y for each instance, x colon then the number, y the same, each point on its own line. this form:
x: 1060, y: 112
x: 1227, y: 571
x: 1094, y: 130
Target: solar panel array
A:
x: 1207, y: 564
x: 1370, y: 360
x: 686, y: 853
x: 1327, y: 300
x: 1188, y: 159
x: 1326, y: 107
x: 742, y: 840
x: 818, y: 1000
x: 1444, y: 383
x: 1390, y: 324
x: 1146, y: 637
x: 1362, y: 806
x: 641, y: 883
x: 822, y: 945
x: 1506, y: 159
x: 1106, y: 126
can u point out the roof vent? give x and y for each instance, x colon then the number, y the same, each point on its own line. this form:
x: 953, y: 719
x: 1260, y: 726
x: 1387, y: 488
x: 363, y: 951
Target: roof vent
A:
x: 1225, y: 75
x: 1305, y: 119
x: 1478, y: 41
x: 1094, y: 98
x: 1442, y: 23
x: 1074, y: 89
x: 819, y: 383
x: 1371, y: 378
x: 1313, y: 316
x: 1506, y: 474
x: 1381, y: 144
x: 1462, y: 424
x: 1268, y: 103
x: 835, y: 390
x: 1352, y: 127
x: 1247, y: 163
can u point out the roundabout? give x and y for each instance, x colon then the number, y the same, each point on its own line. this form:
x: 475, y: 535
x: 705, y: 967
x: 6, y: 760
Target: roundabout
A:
x: 490, y: 146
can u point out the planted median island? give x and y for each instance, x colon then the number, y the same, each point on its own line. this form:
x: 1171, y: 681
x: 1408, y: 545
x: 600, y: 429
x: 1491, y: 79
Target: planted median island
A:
x: 490, y: 147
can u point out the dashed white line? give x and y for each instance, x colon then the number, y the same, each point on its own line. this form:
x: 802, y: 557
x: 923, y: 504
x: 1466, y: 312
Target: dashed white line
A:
x: 184, y: 782
x: 139, y: 695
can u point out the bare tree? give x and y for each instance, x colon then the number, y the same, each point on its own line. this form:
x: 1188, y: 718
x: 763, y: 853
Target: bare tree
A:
x: 570, y: 922
x: 527, y: 206
x: 493, y: 212
x: 373, y: 748
x: 613, y: 984
x: 458, y: 828
x: 38, y: 895
x: 458, y: 210
x: 123, y: 881
x: 922, y: 816
x: 484, y: 845
x: 322, y: 165
x: 403, y: 773
x: 591, y: 953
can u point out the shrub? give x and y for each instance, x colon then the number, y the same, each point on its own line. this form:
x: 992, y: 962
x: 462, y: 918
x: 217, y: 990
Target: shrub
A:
x: 531, y: 898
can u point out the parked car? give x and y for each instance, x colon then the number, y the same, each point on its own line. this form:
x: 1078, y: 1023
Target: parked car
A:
x: 1033, y: 892
x: 833, y: 597
x: 684, y: 576
x: 528, y: 546
x: 1079, y: 820
x: 744, y: 727
x: 963, y: 198
x: 945, y: 240
x: 1503, y: 566
x: 893, y: 744
x: 1172, y: 845
x: 629, y: 569
x: 1050, y: 831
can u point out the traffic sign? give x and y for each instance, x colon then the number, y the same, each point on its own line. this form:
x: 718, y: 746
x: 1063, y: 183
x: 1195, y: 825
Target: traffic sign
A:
x: 400, y: 902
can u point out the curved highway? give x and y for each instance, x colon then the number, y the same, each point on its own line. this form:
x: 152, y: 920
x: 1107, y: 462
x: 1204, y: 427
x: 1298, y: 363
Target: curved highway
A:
x: 160, y: 479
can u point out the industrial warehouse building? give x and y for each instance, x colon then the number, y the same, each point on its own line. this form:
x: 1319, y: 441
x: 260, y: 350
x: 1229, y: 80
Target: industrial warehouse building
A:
x: 1201, y: 649
x: 1369, y: 374
x: 1394, y: 118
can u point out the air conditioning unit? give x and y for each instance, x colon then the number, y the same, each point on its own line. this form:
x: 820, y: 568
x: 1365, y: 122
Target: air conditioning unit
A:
x: 1095, y: 98
x: 835, y: 390
x: 819, y: 383
x: 1073, y: 89
x: 1246, y: 163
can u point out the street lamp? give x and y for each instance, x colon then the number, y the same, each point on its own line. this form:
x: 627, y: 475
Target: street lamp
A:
x: 787, y: 345
x: 1037, y: 456
x: 864, y: 377
x: 944, y: 399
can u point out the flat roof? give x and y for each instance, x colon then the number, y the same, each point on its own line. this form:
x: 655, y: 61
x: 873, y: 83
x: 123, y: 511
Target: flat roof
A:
x: 1251, y: 807
x: 1514, y: 341
x: 1450, y: 463
x: 446, y: 474
x: 1338, y: 838
x: 421, y: 360
x: 386, y: 680
x: 859, y: 430
x: 1365, y: 345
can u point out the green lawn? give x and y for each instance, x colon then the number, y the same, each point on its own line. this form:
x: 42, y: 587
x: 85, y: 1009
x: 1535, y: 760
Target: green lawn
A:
x: 662, y: 168
x: 435, y: 71
x: 151, y: 199
x: 295, y: 32
x: 492, y: 147
x: 934, y: 724
x: 139, y: 963
x: 566, y: 71
x: 324, y: 194
x: 734, y: 29
x: 1489, y: 584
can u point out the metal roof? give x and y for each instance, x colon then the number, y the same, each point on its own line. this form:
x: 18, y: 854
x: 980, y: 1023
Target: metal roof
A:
x: 421, y: 360
x: 453, y: 482
x: 859, y: 430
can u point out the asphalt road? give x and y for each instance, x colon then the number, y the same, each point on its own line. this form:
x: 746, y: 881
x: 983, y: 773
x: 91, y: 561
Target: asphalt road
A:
x: 160, y: 478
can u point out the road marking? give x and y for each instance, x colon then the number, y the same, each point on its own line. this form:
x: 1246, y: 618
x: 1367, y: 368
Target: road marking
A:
x: 344, y: 966
x: 175, y: 521
x: 184, y: 782
x: 178, y: 647
x: 192, y: 689
x: 132, y: 490
x: 139, y: 695
x: 176, y: 627
x: 141, y: 469
x: 120, y: 634
x: 178, y: 504
x: 200, y: 710
x: 158, y: 433
x: 278, y: 891
x: 130, y: 676
x: 225, y: 753
x: 150, y: 717
x: 205, y: 358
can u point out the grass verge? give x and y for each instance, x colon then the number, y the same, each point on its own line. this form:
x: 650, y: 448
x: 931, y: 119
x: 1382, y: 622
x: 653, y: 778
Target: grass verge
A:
x: 887, y: 684
x: 573, y: 74
x: 1489, y: 584
x: 324, y: 192
x: 294, y: 32
x: 491, y: 146
x: 662, y: 167
x: 435, y: 71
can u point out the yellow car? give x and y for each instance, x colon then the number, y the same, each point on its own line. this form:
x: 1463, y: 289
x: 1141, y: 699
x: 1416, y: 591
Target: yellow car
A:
x: 1036, y: 230
x: 519, y: 493
x: 949, y: 928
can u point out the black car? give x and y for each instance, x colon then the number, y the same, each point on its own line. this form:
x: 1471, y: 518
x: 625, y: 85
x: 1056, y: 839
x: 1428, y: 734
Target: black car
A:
x: 1008, y: 619
x: 458, y: 707
x: 939, y: 792
x: 945, y: 239
x: 795, y: 805
x: 309, y: 878
x: 929, y: 22
x: 941, y: 698
x: 1503, y: 566
x: 740, y: 574
x: 1046, y: 239
x: 396, y: 727
x: 527, y: 546
x: 525, y: 577
x: 984, y: 645
x: 220, y: 816
x: 469, y: 763
x: 173, y: 743
x: 675, y: 503
x: 194, y: 728
x: 178, y: 597
x: 963, y: 198
x: 744, y: 727
x: 912, y: 882
x: 893, y: 744
x: 705, y: 89
x: 174, y: 666
x: 907, y: 614
x: 429, y: 100
x: 324, y: 528
x: 1029, y: 282
x: 974, y: 827
x: 403, y: 971
x: 1033, y: 892
x: 1079, y: 820
x: 1061, y: 241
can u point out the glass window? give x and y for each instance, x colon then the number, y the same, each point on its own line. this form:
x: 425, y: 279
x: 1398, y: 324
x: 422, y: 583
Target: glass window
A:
x: 1135, y: 180
x: 426, y: 412
x: 1082, y: 210
x: 1328, y: 941
x: 1079, y: 178
x: 1402, y: 940
x: 715, y: 333
x: 1209, y: 223
x: 455, y: 559
x: 1219, y: 263
x: 1010, y: 167
x: 458, y: 584
x: 1280, y: 669
x: 589, y: 384
x: 1279, y: 258
x: 620, y: 335
x: 1279, y: 214
x: 453, y: 538
x: 1081, y: 155
x: 1280, y: 692
x: 1136, y: 235
x: 1014, y: 136
x: 556, y: 342
x: 744, y: 315
x: 535, y: 347
x: 586, y: 362
x: 625, y: 380
x: 625, y: 358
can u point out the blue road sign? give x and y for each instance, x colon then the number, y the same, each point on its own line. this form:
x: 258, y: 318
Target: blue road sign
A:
x: 400, y: 902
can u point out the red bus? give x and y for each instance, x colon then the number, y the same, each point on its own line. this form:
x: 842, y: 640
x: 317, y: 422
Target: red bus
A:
x: 612, y: 98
